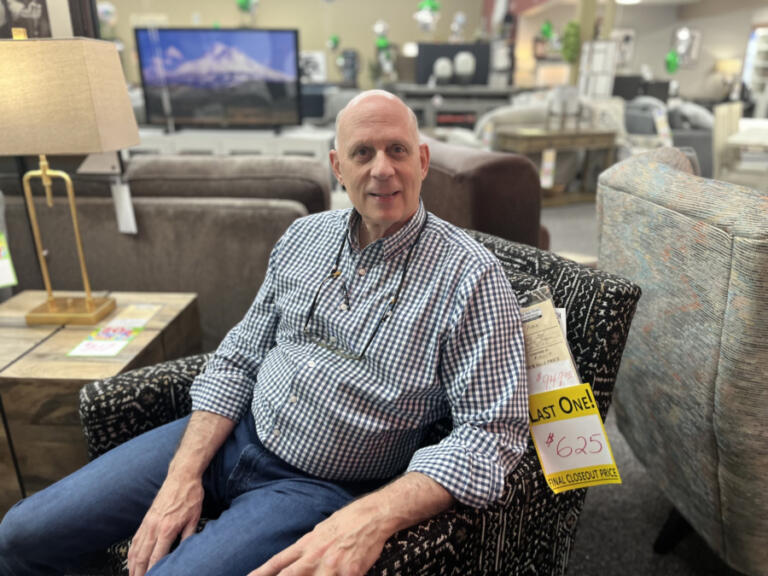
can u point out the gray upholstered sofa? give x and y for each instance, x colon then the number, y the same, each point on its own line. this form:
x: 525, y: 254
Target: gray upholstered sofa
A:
x: 692, y: 396
x: 205, y: 225
x: 531, y: 529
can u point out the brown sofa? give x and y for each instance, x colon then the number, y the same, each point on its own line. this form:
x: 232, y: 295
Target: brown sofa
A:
x: 490, y: 192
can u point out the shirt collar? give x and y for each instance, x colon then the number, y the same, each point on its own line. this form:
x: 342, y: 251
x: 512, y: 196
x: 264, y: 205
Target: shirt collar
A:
x: 397, y: 242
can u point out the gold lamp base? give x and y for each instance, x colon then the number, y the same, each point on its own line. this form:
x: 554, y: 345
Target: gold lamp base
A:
x: 71, y: 311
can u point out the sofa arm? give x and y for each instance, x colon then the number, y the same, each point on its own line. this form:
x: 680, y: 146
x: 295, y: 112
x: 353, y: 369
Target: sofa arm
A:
x: 119, y: 408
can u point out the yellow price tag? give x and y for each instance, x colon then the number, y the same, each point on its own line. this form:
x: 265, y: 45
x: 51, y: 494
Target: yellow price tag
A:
x: 570, y: 439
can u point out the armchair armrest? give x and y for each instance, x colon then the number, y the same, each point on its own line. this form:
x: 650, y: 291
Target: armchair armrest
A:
x: 119, y: 408
x: 530, y: 526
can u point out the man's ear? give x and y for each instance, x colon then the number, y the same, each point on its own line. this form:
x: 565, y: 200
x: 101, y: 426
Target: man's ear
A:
x: 424, y: 159
x: 334, y: 157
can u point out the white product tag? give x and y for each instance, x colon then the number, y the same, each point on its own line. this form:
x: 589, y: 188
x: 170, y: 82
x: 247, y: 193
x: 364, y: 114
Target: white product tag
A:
x: 126, y: 219
x: 7, y: 273
x: 548, y: 359
x: 548, y: 158
x: 662, y: 126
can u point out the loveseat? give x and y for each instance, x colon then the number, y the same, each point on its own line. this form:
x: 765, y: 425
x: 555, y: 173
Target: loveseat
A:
x: 530, y: 530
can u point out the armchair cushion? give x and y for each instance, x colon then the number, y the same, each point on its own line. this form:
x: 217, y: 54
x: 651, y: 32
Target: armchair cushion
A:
x: 530, y: 528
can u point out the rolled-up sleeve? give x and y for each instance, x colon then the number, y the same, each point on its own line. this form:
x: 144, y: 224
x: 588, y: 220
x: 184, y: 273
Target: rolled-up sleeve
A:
x: 226, y: 386
x: 482, y: 368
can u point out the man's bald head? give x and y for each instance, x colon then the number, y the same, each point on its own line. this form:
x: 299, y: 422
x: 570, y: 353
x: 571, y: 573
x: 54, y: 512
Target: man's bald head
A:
x: 370, y: 96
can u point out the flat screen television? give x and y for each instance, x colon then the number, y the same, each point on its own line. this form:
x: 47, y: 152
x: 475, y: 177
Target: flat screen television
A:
x: 220, y: 77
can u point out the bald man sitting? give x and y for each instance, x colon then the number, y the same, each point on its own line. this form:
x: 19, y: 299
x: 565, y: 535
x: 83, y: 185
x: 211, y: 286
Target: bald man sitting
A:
x: 305, y: 438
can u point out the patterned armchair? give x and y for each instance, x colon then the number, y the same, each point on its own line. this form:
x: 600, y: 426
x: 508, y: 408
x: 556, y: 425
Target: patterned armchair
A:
x: 531, y: 530
x: 692, y: 399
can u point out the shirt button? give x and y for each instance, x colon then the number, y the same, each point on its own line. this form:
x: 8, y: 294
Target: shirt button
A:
x: 361, y: 271
x: 275, y: 433
x: 293, y: 399
x: 343, y: 306
x: 311, y: 364
x: 332, y: 339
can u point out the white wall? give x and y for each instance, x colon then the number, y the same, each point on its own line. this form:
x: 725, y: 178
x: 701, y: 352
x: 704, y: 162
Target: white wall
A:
x: 653, y: 26
x: 725, y: 27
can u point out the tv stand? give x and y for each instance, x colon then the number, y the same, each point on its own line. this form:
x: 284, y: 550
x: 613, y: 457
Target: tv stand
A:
x: 456, y: 105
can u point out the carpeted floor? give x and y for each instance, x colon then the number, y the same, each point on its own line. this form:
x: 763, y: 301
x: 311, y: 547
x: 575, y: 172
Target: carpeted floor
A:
x: 620, y: 522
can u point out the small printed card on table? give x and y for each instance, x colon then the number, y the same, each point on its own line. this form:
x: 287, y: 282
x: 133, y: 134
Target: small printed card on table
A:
x: 114, y: 336
x: 7, y: 273
x: 566, y: 427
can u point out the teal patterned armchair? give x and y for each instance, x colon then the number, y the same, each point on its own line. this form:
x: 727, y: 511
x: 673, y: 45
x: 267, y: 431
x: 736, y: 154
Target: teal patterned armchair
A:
x: 692, y: 397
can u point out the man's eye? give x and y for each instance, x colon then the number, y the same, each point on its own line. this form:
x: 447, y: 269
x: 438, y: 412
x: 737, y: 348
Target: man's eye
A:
x: 361, y: 153
x: 399, y: 150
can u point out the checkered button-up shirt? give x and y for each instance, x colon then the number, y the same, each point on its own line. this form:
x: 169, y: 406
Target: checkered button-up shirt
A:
x: 453, y: 345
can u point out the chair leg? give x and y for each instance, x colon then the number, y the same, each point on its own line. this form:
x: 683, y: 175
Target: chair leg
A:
x: 674, y: 530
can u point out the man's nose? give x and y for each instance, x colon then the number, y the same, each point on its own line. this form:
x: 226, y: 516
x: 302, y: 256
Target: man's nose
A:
x: 382, y: 165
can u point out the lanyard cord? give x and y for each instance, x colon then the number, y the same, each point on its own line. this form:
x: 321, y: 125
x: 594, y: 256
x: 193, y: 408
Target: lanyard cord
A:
x: 336, y: 272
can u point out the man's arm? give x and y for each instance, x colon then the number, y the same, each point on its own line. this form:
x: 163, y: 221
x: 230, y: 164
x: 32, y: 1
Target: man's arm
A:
x: 350, y: 541
x: 178, y: 504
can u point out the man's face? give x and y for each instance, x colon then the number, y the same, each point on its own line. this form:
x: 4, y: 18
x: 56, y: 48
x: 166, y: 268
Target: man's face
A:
x: 380, y: 162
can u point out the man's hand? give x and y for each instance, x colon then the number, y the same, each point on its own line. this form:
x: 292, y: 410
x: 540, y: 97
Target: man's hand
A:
x: 346, y: 544
x: 179, y: 502
x: 350, y: 541
x: 175, y: 510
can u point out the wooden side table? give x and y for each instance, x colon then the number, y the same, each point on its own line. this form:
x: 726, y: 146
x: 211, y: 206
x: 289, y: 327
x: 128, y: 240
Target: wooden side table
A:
x: 39, y: 383
x: 522, y: 140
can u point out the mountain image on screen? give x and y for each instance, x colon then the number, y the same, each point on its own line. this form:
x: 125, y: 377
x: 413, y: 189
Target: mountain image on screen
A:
x: 220, y: 77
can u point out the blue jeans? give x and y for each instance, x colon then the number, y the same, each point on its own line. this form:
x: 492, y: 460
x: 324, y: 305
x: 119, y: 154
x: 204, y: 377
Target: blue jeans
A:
x: 265, y: 504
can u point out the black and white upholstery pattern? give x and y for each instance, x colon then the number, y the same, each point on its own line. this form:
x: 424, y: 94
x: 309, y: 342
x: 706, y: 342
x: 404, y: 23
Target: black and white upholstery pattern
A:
x: 530, y: 530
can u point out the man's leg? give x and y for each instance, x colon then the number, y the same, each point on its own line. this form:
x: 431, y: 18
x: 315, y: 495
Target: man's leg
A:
x: 99, y: 504
x: 271, y: 505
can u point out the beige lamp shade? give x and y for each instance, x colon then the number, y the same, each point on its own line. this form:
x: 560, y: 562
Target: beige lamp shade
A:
x: 728, y: 66
x: 63, y: 96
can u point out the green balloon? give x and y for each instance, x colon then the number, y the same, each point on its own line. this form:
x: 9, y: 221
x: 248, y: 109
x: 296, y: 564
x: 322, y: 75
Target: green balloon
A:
x: 431, y: 5
x: 244, y: 5
x: 382, y: 42
x: 672, y: 61
x: 546, y: 30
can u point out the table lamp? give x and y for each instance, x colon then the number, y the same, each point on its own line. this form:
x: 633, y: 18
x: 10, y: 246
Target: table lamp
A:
x: 63, y: 96
x: 729, y: 69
